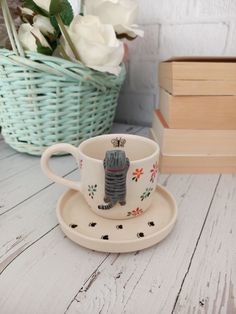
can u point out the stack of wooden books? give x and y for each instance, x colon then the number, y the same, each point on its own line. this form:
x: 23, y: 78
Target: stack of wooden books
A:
x: 195, y: 124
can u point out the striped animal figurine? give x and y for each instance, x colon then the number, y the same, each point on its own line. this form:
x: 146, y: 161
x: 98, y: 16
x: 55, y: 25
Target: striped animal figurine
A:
x: 116, y: 166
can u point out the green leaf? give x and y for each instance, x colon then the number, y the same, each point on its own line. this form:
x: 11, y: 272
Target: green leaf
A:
x: 42, y: 49
x: 66, y: 16
x: 63, y: 8
x: 53, y: 44
x: 55, y: 24
x: 56, y: 7
x: 30, y: 4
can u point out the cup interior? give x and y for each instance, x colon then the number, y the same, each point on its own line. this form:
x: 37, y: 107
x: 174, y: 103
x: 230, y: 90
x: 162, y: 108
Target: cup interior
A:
x: 135, y: 147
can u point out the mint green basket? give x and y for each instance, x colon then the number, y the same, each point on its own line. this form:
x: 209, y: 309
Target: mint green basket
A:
x: 46, y: 100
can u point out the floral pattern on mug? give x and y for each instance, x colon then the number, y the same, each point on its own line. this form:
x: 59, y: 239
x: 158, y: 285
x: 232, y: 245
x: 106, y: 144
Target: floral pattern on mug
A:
x: 81, y: 163
x: 92, y: 189
x: 146, y: 194
x: 154, y: 172
x: 135, y: 212
x: 137, y: 174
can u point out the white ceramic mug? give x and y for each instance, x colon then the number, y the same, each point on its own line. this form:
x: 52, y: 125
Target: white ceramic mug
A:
x: 102, y: 183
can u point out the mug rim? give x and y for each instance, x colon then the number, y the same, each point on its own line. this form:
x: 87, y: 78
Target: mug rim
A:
x: 92, y: 139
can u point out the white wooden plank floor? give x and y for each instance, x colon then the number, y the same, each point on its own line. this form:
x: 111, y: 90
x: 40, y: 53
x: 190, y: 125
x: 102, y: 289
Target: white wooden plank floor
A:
x: 42, y: 272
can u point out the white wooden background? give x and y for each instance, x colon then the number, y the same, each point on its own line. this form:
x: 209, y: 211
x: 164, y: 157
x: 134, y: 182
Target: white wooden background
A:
x: 172, y: 28
x: 43, y: 272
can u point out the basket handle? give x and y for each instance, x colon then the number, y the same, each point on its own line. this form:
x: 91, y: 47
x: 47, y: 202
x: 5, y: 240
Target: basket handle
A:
x: 11, y: 30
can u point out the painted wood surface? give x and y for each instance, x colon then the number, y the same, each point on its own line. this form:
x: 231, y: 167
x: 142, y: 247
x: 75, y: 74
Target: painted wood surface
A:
x: 151, y: 279
x: 41, y: 271
x: 5, y: 151
x: 210, y: 286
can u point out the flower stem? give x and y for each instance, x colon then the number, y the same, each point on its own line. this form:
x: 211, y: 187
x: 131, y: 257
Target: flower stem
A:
x: 63, y: 53
x: 67, y: 37
x: 81, y: 7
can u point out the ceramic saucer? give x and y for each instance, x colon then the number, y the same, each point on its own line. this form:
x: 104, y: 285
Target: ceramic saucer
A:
x: 86, y: 228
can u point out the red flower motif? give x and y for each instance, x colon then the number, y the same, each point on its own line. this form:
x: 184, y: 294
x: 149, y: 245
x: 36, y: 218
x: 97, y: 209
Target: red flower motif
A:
x: 137, y: 173
x: 154, y: 172
x: 135, y: 212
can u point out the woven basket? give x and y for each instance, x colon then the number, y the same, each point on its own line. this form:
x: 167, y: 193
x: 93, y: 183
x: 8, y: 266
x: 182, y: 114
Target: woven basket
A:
x: 45, y: 100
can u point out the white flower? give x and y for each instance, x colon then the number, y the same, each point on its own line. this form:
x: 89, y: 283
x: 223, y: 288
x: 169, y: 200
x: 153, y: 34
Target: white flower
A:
x: 96, y: 44
x: 27, y: 38
x: 119, y: 13
x: 43, y: 24
x: 44, y: 4
x: 26, y: 11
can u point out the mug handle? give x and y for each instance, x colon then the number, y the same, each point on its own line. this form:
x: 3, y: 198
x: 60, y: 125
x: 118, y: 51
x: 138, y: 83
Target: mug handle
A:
x: 47, y: 154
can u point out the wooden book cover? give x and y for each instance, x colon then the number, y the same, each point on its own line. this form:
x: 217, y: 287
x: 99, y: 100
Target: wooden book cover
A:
x: 199, y: 75
x: 191, y: 141
x: 198, y: 164
x: 198, y: 112
x: 185, y: 87
x: 199, y: 68
x: 195, y: 164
